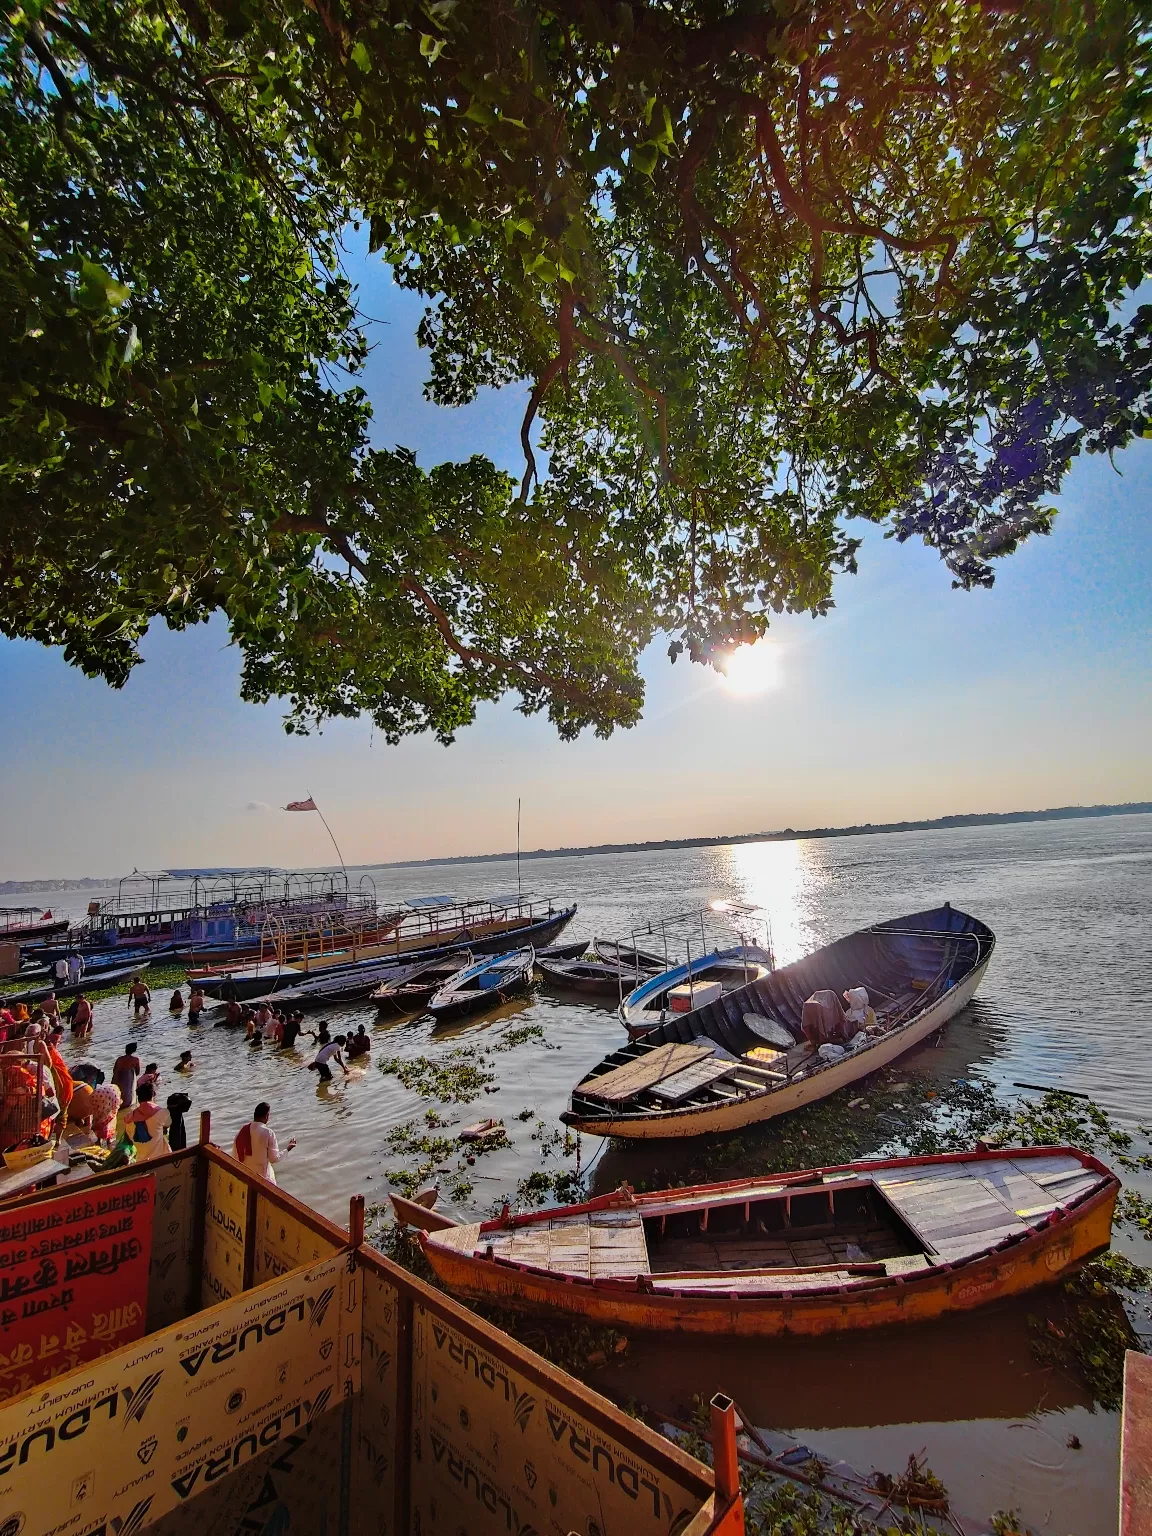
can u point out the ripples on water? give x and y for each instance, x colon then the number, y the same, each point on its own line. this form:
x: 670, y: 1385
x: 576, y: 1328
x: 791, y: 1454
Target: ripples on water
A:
x: 1067, y: 1001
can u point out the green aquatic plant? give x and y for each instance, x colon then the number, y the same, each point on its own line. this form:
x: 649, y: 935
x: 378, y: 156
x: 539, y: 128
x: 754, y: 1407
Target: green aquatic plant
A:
x: 520, y: 1034
x: 458, y: 1077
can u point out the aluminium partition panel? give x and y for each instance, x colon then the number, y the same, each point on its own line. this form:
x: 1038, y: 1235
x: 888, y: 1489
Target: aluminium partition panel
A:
x: 494, y: 1450
x: 227, y: 1219
x: 380, y: 1438
x: 283, y: 1241
x: 173, y: 1277
x: 118, y: 1445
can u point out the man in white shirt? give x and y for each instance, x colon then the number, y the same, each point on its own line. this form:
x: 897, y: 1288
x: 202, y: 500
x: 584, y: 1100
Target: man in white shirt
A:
x: 75, y: 969
x: 60, y: 971
x: 328, y: 1053
x: 256, y: 1147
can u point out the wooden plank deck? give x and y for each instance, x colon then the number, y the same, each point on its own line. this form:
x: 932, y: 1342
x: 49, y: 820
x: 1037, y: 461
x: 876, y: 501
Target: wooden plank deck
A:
x: 691, y: 1079
x: 626, y: 1081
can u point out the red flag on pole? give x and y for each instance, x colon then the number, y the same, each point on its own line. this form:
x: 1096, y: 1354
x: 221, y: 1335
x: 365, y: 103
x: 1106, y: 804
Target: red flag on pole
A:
x: 301, y: 805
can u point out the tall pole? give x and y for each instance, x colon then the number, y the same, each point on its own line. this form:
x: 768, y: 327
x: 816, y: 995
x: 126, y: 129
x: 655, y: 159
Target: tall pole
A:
x: 519, y: 890
x: 335, y: 844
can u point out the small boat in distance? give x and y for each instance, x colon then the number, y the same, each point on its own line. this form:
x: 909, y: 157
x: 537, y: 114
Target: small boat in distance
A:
x: 592, y: 976
x: 867, y: 1244
x: 491, y: 981
x: 689, y: 986
x: 408, y: 989
x: 638, y: 961
x: 567, y: 951
x: 726, y: 1064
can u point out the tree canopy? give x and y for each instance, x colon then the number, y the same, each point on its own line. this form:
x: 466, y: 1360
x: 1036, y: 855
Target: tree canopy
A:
x: 766, y: 269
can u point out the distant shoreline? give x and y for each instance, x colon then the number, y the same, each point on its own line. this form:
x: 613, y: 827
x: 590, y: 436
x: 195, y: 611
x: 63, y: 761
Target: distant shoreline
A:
x: 785, y: 835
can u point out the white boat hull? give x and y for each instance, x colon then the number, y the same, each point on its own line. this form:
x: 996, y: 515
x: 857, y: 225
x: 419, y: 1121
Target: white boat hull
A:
x: 754, y: 1108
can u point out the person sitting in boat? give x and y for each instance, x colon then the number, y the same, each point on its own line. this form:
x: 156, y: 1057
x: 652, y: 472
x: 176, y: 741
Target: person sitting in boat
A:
x: 176, y: 1005
x: 359, y: 1044
x: 823, y: 1020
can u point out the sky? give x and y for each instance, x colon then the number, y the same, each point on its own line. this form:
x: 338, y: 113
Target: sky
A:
x: 911, y: 700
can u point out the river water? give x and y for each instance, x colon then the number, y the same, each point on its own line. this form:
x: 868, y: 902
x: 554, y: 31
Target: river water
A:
x: 1067, y: 1001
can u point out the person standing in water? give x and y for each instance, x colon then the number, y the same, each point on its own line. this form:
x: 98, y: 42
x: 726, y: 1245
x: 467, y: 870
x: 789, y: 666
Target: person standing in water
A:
x: 256, y: 1147
x: 195, y: 1005
x: 80, y: 1015
x: 139, y: 997
x: 125, y: 1071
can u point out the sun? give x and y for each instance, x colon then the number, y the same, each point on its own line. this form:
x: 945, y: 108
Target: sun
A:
x: 752, y: 669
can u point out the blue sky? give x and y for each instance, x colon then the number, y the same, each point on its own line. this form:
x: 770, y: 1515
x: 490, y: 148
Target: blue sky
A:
x: 911, y: 700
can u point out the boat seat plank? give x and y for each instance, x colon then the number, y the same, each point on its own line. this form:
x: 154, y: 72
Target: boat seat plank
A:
x: 645, y: 1071
x: 906, y: 1263
x: 700, y: 1074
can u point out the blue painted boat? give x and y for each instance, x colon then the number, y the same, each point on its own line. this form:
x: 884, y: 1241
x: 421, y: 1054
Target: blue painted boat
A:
x: 486, y: 984
x: 649, y: 1005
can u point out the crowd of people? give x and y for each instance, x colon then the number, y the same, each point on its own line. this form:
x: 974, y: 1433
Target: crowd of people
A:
x: 129, y: 1114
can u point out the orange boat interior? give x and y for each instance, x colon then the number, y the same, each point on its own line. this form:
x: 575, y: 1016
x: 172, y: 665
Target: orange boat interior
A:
x: 832, y: 1230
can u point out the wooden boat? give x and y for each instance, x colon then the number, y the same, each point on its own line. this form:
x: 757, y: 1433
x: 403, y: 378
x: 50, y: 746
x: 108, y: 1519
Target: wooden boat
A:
x: 408, y: 989
x: 638, y: 961
x: 325, y: 991
x: 571, y: 951
x: 592, y: 976
x: 865, y: 1245
x: 487, y: 983
x: 246, y: 982
x: 721, y: 1067
x: 72, y: 989
x: 651, y: 1003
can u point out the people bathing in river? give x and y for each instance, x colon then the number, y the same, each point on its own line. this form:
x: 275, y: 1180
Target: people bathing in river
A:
x: 50, y: 1008
x: 80, y: 1015
x: 150, y: 1074
x: 256, y: 1147
x: 233, y: 1013
x: 125, y: 1071
x: 139, y: 997
x: 195, y: 1005
x: 359, y: 1044
x: 273, y: 1030
x: 145, y: 1124
x: 290, y: 1031
x: 185, y: 1064
x: 329, y: 1051
x: 176, y: 1002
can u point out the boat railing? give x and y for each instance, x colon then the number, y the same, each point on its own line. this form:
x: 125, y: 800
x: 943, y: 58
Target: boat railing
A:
x: 688, y: 938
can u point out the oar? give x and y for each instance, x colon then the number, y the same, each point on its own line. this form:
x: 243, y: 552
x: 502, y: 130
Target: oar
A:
x: 1041, y: 1088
